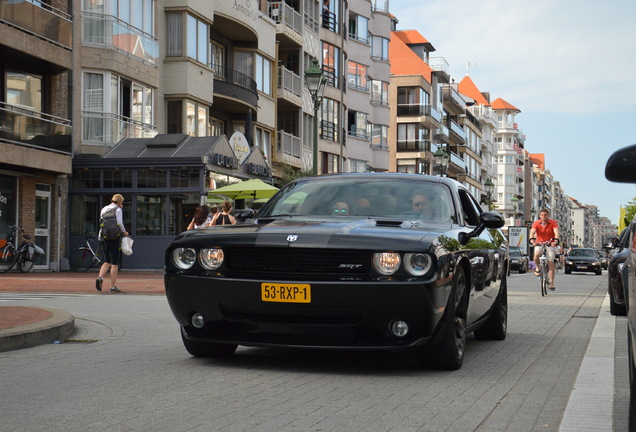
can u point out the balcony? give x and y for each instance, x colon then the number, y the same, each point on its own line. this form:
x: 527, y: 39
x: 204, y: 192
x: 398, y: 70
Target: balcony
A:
x: 235, y: 90
x: 457, y: 162
x: 111, y: 32
x: 442, y: 135
x: 290, y: 87
x: 453, y: 102
x: 34, y: 129
x: 289, y: 149
x: 108, y: 129
x: 39, y: 19
x: 289, y: 23
x: 484, y: 114
x: 440, y: 69
x: 457, y: 132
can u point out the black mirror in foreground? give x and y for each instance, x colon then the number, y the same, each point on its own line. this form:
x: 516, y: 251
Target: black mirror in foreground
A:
x: 621, y: 166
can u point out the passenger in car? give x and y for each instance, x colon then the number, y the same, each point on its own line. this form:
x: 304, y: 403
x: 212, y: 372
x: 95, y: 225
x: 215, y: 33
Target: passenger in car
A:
x: 340, y: 208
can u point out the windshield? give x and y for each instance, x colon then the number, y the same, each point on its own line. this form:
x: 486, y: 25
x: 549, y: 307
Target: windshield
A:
x: 583, y: 253
x: 366, y: 197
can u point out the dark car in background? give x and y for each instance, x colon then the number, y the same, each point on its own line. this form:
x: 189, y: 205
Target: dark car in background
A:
x: 621, y: 167
x: 583, y: 260
x: 604, y: 260
x: 518, y: 259
x: 346, y: 262
x: 616, y: 274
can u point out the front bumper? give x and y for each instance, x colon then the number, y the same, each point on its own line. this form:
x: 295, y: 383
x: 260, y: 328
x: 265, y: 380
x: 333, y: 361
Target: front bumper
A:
x: 341, y: 314
x: 583, y: 267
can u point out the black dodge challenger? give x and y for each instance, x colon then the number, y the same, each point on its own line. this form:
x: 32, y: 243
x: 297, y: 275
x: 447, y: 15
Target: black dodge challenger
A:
x: 376, y: 261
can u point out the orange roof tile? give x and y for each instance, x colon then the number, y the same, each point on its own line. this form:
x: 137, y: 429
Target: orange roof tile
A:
x: 499, y: 103
x: 538, y: 159
x: 410, y: 37
x: 405, y: 62
x: 468, y: 88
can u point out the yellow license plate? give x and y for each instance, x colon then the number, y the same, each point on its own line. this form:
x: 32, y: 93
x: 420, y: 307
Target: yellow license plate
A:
x: 286, y: 293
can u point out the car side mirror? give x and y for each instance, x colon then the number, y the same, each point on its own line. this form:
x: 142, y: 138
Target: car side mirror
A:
x: 621, y: 165
x: 489, y: 219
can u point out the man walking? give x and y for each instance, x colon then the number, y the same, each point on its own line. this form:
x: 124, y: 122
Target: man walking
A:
x: 545, y: 234
x: 112, y: 228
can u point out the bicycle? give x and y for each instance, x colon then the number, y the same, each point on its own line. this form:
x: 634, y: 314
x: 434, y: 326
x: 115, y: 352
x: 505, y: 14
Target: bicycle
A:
x: 24, y: 255
x: 85, y: 257
x: 544, y: 278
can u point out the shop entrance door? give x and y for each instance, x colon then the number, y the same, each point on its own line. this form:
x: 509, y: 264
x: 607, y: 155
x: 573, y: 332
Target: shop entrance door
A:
x: 43, y: 224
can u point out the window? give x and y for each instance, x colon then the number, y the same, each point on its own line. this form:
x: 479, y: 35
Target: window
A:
x: 218, y: 59
x: 381, y: 5
x: 331, y: 64
x: 358, y: 124
x: 329, y: 123
x: 359, y: 28
x: 379, y: 48
x: 244, y: 62
x: 412, y: 137
x: 152, y: 178
x: 379, y: 136
x: 151, y: 216
x: 331, y: 15
x: 263, y: 74
x: 330, y: 163
x: 379, y: 93
x: 412, y: 96
x: 184, y: 178
x: 357, y: 76
x: 263, y: 140
x: 197, y: 40
x: 24, y: 89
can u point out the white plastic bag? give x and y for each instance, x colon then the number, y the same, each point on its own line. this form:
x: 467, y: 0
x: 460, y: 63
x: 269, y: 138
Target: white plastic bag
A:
x: 126, y: 245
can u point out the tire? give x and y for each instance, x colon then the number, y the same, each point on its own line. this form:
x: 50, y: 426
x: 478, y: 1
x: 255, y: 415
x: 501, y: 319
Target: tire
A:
x: 568, y: 271
x: 497, y: 325
x: 208, y: 349
x: 24, y: 263
x: 7, y: 258
x: 543, y: 280
x: 80, y: 260
x: 599, y: 272
x: 449, y: 353
x: 616, y: 308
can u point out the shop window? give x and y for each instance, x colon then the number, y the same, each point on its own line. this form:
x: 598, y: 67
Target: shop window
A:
x: 184, y: 178
x: 7, y: 204
x: 151, y: 215
x: 118, y: 178
x: 181, y: 212
x: 86, y: 179
x: 152, y: 178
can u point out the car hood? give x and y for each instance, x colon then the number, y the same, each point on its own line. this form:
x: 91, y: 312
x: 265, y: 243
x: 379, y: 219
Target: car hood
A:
x: 394, y: 234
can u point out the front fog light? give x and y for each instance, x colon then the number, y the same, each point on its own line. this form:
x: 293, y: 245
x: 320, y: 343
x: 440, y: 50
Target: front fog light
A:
x: 197, y: 320
x: 399, y: 328
x: 211, y: 259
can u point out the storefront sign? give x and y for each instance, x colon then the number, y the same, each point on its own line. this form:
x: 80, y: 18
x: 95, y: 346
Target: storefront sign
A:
x: 259, y: 170
x: 225, y: 161
x: 240, y: 146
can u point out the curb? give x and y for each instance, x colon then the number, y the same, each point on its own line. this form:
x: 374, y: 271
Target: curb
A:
x: 59, y: 326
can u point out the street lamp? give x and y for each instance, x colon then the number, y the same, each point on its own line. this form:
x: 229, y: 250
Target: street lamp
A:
x: 489, y: 187
x: 532, y: 213
x: 515, y: 203
x: 441, y: 160
x: 315, y: 80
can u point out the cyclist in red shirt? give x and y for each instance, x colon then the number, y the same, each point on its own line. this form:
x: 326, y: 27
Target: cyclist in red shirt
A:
x: 545, y: 230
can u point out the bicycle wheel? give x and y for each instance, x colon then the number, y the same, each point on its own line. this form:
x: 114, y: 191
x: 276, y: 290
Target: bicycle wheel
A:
x: 81, y: 260
x: 7, y: 258
x: 24, y: 263
x: 544, y: 280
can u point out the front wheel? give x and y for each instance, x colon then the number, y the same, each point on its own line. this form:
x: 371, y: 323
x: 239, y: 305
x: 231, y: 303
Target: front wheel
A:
x: 449, y: 353
x: 7, y: 258
x: 24, y: 263
x: 208, y: 349
x: 81, y: 260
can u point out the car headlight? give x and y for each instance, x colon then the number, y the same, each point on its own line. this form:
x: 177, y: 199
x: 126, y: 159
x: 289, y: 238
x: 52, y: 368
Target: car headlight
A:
x: 386, y: 263
x: 184, y: 258
x: 417, y: 264
x: 211, y: 259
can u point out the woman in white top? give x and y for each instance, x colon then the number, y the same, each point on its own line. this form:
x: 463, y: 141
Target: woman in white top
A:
x: 201, y: 218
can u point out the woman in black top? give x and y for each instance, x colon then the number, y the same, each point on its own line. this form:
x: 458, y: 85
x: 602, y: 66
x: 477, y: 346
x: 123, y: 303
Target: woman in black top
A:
x: 224, y: 217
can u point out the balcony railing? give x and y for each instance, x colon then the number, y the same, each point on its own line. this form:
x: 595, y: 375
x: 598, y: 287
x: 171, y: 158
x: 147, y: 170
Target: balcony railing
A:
x: 289, y: 144
x: 110, y: 31
x: 454, y: 159
x: 414, y: 146
x: 451, y: 95
x: 30, y: 128
x: 282, y: 13
x: 458, y: 130
x: 288, y: 80
x: 439, y: 64
x: 40, y: 19
x: 108, y: 128
x: 235, y: 77
x: 419, y: 110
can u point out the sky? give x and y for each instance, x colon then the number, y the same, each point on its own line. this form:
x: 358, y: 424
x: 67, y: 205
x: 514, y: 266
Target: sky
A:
x: 569, y: 66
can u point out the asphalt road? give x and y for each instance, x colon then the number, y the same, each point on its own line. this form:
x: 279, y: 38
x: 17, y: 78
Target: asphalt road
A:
x: 125, y: 369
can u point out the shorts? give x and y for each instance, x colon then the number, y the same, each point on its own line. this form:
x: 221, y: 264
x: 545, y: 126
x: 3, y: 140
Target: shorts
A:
x: 111, y: 251
x: 549, y: 253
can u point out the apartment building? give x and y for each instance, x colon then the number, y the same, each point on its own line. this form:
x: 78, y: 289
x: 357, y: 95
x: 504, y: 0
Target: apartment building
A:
x: 36, y: 68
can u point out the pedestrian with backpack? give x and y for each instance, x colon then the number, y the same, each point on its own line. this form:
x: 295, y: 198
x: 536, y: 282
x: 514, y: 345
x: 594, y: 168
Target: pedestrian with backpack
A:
x: 110, y: 233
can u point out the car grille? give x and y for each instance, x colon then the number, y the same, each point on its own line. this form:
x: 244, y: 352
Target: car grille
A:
x: 297, y: 261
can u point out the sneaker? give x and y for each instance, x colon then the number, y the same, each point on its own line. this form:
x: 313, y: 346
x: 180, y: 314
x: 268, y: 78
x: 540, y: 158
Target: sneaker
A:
x: 98, y: 283
x: 115, y: 290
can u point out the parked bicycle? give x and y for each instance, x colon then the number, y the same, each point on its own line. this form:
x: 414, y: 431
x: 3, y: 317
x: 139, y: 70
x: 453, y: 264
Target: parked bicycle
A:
x: 24, y: 255
x: 85, y: 257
